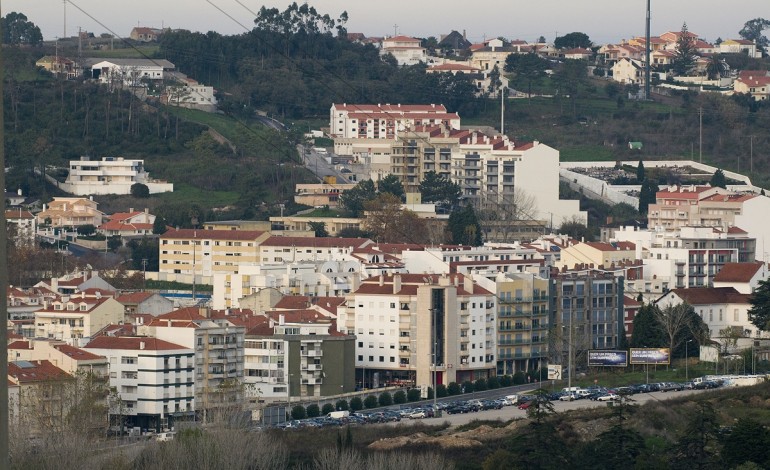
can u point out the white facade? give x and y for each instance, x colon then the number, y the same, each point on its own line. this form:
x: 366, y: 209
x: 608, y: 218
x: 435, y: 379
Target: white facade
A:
x: 406, y: 50
x: 385, y: 121
x: 76, y: 319
x: 110, y: 176
x: 628, y: 71
x: 753, y: 219
x: 131, y: 72
x: 266, y: 363
x: 188, y: 93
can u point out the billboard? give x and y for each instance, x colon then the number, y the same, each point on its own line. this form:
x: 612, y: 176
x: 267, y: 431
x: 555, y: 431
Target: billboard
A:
x: 607, y: 358
x: 554, y: 372
x: 650, y: 356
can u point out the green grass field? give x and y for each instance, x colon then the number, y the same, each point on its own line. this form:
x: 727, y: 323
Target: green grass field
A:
x: 192, y: 195
x: 228, y: 126
x: 139, y: 52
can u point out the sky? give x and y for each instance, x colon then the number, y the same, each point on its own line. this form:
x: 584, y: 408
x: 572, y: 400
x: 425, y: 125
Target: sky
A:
x: 603, y: 20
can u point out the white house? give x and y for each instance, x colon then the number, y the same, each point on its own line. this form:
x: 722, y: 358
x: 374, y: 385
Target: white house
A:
x: 188, y: 93
x: 406, y: 50
x: 110, y: 175
x: 130, y: 72
x: 628, y: 71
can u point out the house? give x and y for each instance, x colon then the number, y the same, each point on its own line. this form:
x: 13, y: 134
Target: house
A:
x: 188, y: 93
x: 44, y: 398
x: 70, y: 212
x: 755, y: 83
x: 128, y: 224
x: 143, y: 34
x: 319, y: 195
x: 110, y: 175
x: 22, y: 226
x: 77, y: 282
x: 454, y: 42
x: 59, y: 66
x: 578, y: 53
x: 739, y: 46
x: 154, y: 379
x: 75, y: 319
x: 662, y: 59
x: 130, y: 72
x: 482, y: 79
x: 145, y: 303
x: 492, y: 55
x: 628, y: 71
x: 406, y: 50
x: 743, y: 277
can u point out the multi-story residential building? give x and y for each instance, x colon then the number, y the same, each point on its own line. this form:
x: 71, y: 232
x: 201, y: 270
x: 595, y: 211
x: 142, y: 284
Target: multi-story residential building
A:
x: 70, y: 212
x: 738, y: 46
x: 597, y: 253
x: 44, y: 397
x: 299, y: 225
x: 628, y: 71
x: 154, y: 380
x: 403, y: 321
x: 218, y: 346
x: 203, y: 253
x: 385, y: 121
x: 128, y: 224
x: 280, y: 250
x: 299, y: 355
x: 492, y: 54
x: 75, y: 319
x: 110, y: 175
x: 523, y: 319
x: 587, y: 313
x: 487, y: 260
x: 406, y: 50
x: 22, y: 226
x: 320, y: 194
x: 680, y: 206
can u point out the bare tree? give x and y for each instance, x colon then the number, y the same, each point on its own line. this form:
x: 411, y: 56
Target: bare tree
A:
x: 673, y: 320
x: 503, y: 213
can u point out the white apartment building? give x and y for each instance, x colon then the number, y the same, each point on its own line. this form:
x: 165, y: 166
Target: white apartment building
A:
x: 24, y: 226
x: 75, y: 319
x: 385, y: 121
x: 406, y: 50
x: 487, y: 260
x: 154, y: 379
x: 280, y: 250
x: 110, y: 175
x: 317, y: 279
x: 402, y: 321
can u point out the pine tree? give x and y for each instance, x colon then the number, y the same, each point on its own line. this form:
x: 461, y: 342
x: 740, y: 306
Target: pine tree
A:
x: 640, y: 172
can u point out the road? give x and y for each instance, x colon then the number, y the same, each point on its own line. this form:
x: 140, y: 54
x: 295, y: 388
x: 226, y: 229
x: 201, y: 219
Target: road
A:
x: 512, y: 412
x: 317, y: 164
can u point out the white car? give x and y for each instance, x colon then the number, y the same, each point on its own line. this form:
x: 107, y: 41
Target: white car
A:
x: 567, y: 397
x: 608, y: 397
x: 419, y: 414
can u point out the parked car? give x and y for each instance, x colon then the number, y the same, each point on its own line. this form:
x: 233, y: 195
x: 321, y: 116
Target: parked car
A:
x: 419, y: 414
x: 525, y: 405
x: 609, y: 397
x: 568, y: 397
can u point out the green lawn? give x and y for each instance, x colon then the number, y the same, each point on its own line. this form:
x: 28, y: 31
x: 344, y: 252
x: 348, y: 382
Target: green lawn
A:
x: 140, y: 52
x: 225, y: 125
x: 184, y: 193
x: 585, y: 153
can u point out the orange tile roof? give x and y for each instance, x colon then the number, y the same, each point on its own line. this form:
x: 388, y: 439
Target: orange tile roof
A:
x: 134, y: 298
x: 738, y: 272
x: 35, y: 371
x: 711, y: 295
x: 202, y: 234
x: 291, y: 302
x: 133, y: 343
x: 77, y: 353
x: 323, y: 242
x: 298, y: 316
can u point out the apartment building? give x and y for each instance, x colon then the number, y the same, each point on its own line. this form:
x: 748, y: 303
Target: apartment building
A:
x: 385, y: 121
x: 22, y: 226
x: 280, y: 250
x: 110, y: 175
x: 681, y: 206
x: 523, y: 322
x: 154, y: 380
x: 218, y: 346
x: 44, y: 396
x: 75, y: 319
x: 488, y: 260
x: 203, y: 252
x: 402, y: 322
x: 597, y: 253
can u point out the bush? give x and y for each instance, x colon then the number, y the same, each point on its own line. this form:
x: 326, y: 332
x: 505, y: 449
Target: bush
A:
x: 140, y: 190
x: 480, y: 385
x: 86, y: 230
x: 114, y: 242
x: 441, y: 391
x: 453, y: 389
x: 342, y: 405
x: 430, y: 393
x: 493, y: 383
x: 413, y: 394
x: 519, y: 378
x: 468, y: 386
x: 298, y: 412
x: 356, y: 404
x: 370, y: 402
x: 506, y: 381
x: 399, y: 397
x: 327, y: 408
x: 313, y: 411
x: 385, y: 399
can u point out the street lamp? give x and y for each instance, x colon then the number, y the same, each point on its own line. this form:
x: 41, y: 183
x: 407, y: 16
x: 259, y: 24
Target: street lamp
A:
x: 686, y: 361
x: 647, y: 369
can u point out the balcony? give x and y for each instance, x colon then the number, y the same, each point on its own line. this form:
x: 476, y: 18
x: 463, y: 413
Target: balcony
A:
x: 311, y: 353
x: 312, y: 367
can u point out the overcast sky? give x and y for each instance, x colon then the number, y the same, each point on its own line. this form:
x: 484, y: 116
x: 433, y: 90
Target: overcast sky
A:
x: 603, y: 20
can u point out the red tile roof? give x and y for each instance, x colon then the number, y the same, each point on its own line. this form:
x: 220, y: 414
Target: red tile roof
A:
x: 738, y: 272
x: 134, y: 298
x: 292, y: 302
x: 35, y: 371
x: 410, y: 283
x: 299, y: 316
x: 20, y: 345
x: 202, y: 234
x: 12, y: 214
x: 124, y: 227
x: 133, y: 343
x: 450, y: 67
x: 77, y: 353
x: 324, y: 242
x: 711, y: 295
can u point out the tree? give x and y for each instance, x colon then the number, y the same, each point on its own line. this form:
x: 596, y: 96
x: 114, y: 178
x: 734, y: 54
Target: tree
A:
x: 464, y: 227
x: 86, y: 230
x: 716, y: 67
x: 371, y: 402
x: 759, y: 313
x: 673, y: 320
x: 647, y: 332
x: 577, y: 230
x: 493, y: 382
x: 453, y: 389
x: 541, y: 40
x: 392, y: 184
x: 685, y: 54
x: 159, y: 227
x: 647, y: 195
x: 438, y: 189
x: 298, y: 412
x: 541, y: 406
x: 313, y: 411
x: 356, y: 404
x: 399, y: 397
x: 570, y: 77
x: 468, y: 387
x: 573, y: 40
x: 17, y: 30
x: 140, y: 190
x: 342, y: 405
x: 353, y: 199
x: 752, y: 31
x: 413, y: 394
x: 387, y: 222
x: 480, y: 385
x: 326, y: 409
x: 640, y: 172
x: 530, y: 67
x: 319, y: 228
x: 718, y: 180
x: 385, y: 399
x: 749, y: 441
x: 441, y: 391
x: 695, y: 447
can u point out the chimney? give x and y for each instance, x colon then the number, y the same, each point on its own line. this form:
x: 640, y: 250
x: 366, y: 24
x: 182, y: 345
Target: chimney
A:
x: 396, y: 283
x: 130, y: 210
x: 141, y: 344
x: 55, y: 284
x: 382, y: 280
x: 464, y: 35
x: 204, y: 312
x: 281, y: 319
x: 168, y: 322
x: 468, y: 284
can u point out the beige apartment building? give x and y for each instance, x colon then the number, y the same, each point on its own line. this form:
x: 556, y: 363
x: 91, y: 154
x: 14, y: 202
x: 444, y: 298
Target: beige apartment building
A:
x: 682, y: 206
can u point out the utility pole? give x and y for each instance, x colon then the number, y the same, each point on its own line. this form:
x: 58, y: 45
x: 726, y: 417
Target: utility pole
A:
x: 5, y: 460
x: 751, y: 155
x: 65, y: 19
x: 647, y: 55
x: 395, y: 30
x: 700, y: 135
x: 502, y: 110
x: 144, y: 274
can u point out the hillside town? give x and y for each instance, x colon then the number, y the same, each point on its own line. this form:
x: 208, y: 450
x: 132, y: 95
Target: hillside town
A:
x: 426, y: 253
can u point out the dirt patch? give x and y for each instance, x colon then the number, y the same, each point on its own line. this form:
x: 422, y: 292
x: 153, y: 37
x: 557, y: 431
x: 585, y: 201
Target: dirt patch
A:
x: 443, y: 442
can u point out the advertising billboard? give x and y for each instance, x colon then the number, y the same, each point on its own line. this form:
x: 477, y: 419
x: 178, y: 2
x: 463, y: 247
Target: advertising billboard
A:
x: 554, y: 372
x: 650, y: 356
x: 607, y: 358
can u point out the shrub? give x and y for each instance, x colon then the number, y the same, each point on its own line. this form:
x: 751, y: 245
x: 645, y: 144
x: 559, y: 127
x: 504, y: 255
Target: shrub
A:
x: 86, y: 230
x: 441, y: 391
x: 413, y: 394
x: 313, y: 411
x: 342, y: 405
x: 140, y: 190
x: 385, y: 399
x: 327, y: 408
x: 506, y: 381
x: 298, y: 412
x: 370, y: 402
x: 480, y: 385
x: 519, y: 378
x: 453, y: 389
x: 399, y: 397
x: 430, y: 393
x: 493, y: 383
x: 356, y: 404
x: 468, y: 386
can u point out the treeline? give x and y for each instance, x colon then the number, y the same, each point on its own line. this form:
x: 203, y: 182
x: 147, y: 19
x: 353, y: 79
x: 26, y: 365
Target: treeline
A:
x: 297, y: 62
